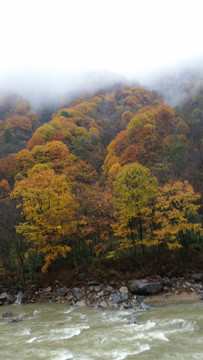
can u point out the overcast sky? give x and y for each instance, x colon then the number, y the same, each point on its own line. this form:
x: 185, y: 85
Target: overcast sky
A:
x: 74, y: 36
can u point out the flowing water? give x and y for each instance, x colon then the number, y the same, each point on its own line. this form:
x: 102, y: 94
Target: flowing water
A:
x: 58, y: 332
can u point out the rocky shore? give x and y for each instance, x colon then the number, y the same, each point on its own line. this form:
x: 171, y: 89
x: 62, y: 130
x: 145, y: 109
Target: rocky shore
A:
x: 134, y: 293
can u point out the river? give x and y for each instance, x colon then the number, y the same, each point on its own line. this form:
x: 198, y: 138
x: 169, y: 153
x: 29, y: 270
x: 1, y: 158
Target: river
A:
x: 59, y: 332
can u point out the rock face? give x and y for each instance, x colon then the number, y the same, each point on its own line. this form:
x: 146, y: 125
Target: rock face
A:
x: 143, y: 287
x: 78, y: 293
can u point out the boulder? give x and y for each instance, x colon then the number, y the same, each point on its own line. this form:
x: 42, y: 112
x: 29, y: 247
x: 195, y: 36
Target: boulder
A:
x: 4, y: 296
x: 124, y: 293
x: 62, y: 291
x: 143, y: 287
x: 80, y: 303
x: 97, y: 288
x: 15, y: 320
x: 116, y: 299
x: 197, y: 277
x: 134, y: 320
x: 91, y: 288
x: 90, y: 297
x: 109, y: 289
x: 78, y: 293
x: 127, y: 305
x: 111, y: 304
x: 103, y: 304
x: 145, y: 306
x: 7, y: 314
x: 197, y: 287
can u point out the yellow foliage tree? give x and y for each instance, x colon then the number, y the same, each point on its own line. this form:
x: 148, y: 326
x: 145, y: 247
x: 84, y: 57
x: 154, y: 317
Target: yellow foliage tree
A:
x: 135, y: 193
x: 49, y: 209
x: 176, y: 203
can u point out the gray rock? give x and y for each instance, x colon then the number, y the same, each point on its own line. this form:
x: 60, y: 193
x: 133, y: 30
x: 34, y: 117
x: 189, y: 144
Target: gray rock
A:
x: 80, y: 303
x: 100, y: 294
x: 103, y: 304
x: 197, y: 277
x: 15, y: 320
x: 97, y: 288
x: 78, y: 293
x: 167, y: 282
x: 91, y: 288
x: 197, y: 287
x: 134, y: 303
x: 116, y: 299
x: 145, y: 306
x: 93, y: 282
x: 110, y: 304
x: 201, y: 297
x: 124, y: 293
x: 126, y: 305
x: 90, y: 297
x: 134, y: 320
x: 7, y: 314
x: 143, y: 287
x: 106, y: 292
x: 110, y: 289
x: 4, y: 296
x: 62, y: 291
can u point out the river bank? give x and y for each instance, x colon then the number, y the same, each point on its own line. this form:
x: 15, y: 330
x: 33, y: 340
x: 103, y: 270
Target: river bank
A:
x: 121, y: 294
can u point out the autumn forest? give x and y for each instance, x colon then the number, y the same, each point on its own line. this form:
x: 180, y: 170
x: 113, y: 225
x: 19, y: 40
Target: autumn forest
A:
x: 111, y: 179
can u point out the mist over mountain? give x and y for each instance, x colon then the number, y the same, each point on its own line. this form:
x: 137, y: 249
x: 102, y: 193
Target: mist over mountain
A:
x: 173, y: 82
x: 51, y: 87
x: 44, y: 87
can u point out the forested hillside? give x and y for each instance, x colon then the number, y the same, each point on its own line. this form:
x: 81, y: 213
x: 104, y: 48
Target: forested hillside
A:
x: 114, y: 178
x: 17, y: 123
